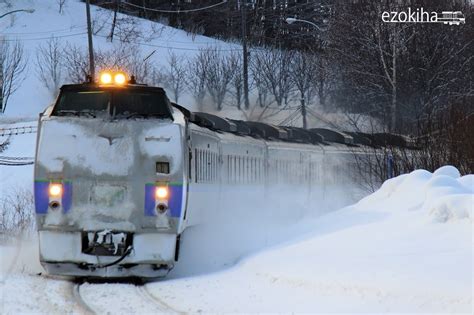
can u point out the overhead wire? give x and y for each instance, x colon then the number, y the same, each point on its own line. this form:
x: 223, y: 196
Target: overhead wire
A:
x: 175, y: 11
x: 42, y: 38
x: 46, y: 32
x: 169, y: 47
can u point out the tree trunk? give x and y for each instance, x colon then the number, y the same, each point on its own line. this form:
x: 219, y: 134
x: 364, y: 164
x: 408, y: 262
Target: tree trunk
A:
x: 393, y: 118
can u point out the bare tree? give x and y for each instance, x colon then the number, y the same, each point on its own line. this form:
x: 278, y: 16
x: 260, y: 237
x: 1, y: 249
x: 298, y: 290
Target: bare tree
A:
x: 142, y: 68
x: 237, y: 84
x: 125, y: 27
x: 324, y: 79
x: 157, y: 76
x: 117, y: 58
x: 196, y: 79
x: 121, y: 57
x: 17, y: 212
x: 302, y: 72
x: 220, y: 73
x: 76, y: 63
x: 175, y: 73
x: 273, y: 67
x: 61, y: 4
x: 12, y: 68
x: 49, y: 65
x: 390, y: 45
x: 258, y: 82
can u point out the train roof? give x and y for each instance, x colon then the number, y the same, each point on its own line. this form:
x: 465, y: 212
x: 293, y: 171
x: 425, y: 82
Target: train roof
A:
x: 95, y: 86
x: 265, y: 131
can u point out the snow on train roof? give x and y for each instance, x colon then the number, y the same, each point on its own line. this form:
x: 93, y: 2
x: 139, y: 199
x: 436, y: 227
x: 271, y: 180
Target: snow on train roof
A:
x: 315, y: 136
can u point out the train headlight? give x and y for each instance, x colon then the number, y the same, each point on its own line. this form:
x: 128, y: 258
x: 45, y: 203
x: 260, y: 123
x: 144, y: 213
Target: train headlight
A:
x: 161, y: 192
x: 120, y: 78
x: 105, y: 78
x: 55, y: 190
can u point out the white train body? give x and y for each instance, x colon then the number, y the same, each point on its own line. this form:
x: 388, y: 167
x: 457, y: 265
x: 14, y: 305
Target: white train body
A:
x: 108, y: 220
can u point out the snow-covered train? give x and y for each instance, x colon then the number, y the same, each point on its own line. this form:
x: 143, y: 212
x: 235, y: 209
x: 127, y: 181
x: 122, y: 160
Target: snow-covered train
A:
x: 121, y: 172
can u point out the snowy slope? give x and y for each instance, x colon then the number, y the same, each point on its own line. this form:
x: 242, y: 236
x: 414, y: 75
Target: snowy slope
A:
x: 33, y: 30
x: 70, y: 27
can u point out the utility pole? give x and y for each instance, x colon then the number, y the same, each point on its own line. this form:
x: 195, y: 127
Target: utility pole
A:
x: 1, y: 86
x: 114, y: 21
x: 89, y: 36
x: 303, y: 113
x: 243, y: 8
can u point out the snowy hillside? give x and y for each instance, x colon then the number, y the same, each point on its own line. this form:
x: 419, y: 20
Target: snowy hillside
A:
x: 34, y: 29
x: 407, y: 248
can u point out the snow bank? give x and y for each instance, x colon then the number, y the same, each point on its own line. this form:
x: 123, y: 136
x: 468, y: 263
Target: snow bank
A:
x: 406, y: 248
x: 442, y: 196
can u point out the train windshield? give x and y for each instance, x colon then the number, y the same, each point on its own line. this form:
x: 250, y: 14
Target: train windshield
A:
x: 115, y: 103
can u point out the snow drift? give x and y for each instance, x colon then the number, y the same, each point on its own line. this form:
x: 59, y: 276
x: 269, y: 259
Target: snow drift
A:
x: 405, y: 248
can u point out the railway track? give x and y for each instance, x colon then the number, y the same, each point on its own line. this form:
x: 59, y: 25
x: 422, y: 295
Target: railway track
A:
x: 76, y: 293
x: 118, y: 298
x: 162, y: 307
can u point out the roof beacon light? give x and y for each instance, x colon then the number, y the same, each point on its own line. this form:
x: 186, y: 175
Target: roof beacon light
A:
x: 105, y: 78
x: 119, y: 78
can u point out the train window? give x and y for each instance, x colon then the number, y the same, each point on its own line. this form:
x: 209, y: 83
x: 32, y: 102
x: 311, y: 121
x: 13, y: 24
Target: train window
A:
x: 82, y: 103
x: 232, y: 169
x: 239, y: 169
x: 214, y: 164
x: 216, y: 167
x: 205, y: 166
x: 252, y: 170
x: 246, y: 168
x: 259, y: 170
x: 210, y: 166
x: 201, y: 169
x: 120, y: 103
x: 196, y: 165
x: 129, y: 104
x: 163, y: 167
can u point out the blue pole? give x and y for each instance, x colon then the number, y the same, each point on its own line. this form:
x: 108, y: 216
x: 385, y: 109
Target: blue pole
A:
x: 389, y: 166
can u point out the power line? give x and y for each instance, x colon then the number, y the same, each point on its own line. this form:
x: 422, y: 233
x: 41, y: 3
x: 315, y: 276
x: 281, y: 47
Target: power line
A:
x: 168, y: 47
x: 42, y: 38
x: 214, y: 42
x: 123, y: 41
x: 176, y: 11
x: 46, y: 32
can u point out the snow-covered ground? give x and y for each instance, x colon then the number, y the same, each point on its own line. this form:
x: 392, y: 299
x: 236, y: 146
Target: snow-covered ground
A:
x: 407, y: 248
x: 34, y: 29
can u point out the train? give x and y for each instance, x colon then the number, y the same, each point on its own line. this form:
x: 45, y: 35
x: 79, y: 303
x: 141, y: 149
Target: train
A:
x: 121, y: 173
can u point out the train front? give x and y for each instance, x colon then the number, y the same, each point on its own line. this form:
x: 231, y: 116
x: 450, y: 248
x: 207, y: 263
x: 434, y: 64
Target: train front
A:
x: 109, y: 178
